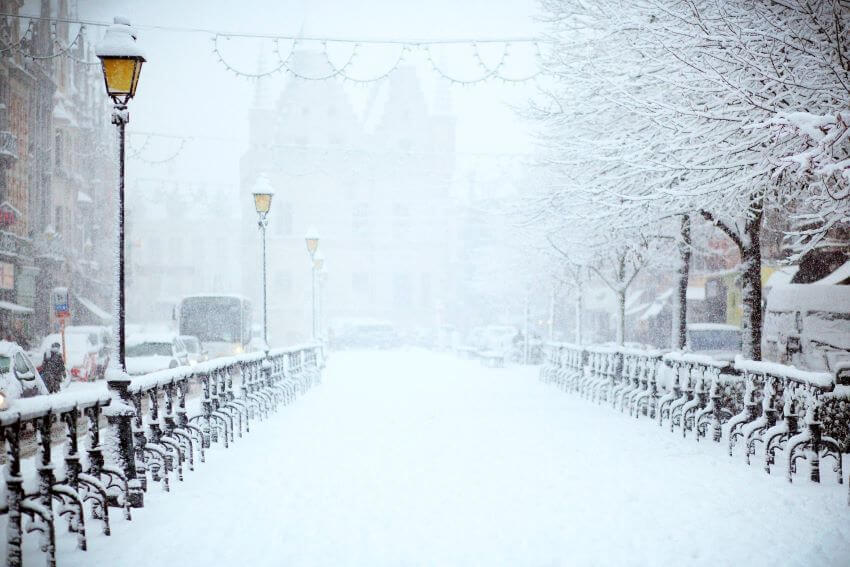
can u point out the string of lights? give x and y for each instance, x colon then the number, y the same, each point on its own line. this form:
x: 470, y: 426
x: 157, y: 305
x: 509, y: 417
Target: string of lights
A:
x: 161, y: 161
x: 24, y: 37
x: 344, y: 71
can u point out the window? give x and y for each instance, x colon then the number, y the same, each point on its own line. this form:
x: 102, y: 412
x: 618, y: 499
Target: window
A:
x: 401, y: 290
x: 425, y: 291
x: 21, y: 366
x: 360, y: 219
x: 7, y: 275
x: 57, y: 147
x: 401, y: 221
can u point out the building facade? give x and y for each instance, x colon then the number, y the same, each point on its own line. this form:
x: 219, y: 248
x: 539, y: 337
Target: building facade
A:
x: 57, y: 172
x: 375, y: 184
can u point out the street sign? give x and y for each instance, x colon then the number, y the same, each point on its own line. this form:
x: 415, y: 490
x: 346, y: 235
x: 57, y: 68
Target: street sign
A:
x: 60, y: 302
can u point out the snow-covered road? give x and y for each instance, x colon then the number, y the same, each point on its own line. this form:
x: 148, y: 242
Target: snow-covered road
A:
x: 413, y: 458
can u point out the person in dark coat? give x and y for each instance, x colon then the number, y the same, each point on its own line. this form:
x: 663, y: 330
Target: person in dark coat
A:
x: 53, y: 369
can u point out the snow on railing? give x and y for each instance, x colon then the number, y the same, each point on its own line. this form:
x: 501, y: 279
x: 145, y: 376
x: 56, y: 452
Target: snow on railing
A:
x: 153, y: 418
x: 763, y: 407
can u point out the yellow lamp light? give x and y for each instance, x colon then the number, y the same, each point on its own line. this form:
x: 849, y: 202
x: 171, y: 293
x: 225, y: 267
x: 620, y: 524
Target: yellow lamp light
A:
x: 312, y: 240
x: 263, y: 202
x: 121, y: 59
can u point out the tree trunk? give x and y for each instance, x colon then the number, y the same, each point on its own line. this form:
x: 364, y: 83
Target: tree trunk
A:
x: 578, y: 315
x: 621, y: 317
x: 680, y: 299
x: 751, y: 287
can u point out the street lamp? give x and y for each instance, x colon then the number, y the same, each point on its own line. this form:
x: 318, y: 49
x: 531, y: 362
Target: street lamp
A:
x: 121, y: 59
x: 262, y: 203
x: 311, y: 239
x: 323, y: 278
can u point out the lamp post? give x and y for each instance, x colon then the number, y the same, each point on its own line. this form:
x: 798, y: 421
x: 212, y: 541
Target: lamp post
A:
x: 311, y: 239
x: 262, y: 203
x: 121, y: 60
x: 318, y: 264
x: 323, y: 279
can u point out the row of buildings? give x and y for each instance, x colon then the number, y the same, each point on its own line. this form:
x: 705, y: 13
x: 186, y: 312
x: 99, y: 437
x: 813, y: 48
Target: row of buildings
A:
x: 57, y: 172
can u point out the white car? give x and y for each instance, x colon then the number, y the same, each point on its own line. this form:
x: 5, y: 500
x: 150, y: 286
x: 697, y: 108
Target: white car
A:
x: 151, y: 352
x: 18, y: 376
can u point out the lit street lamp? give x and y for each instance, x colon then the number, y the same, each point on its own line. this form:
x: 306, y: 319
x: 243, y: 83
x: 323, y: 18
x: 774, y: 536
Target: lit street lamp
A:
x: 323, y: 278
x: 311, y: 239
x: 121, y: 59
x: 318, y: 264
x: 262, y: 203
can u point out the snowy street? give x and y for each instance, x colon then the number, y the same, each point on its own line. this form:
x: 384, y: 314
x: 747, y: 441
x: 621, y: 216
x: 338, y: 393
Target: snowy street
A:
x: 412, y: 458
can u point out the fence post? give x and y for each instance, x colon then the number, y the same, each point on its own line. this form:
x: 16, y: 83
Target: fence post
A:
x: 119, y: 414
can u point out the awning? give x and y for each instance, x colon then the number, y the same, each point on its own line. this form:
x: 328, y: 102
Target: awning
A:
x: 94, y: 309
x: 15, y: 308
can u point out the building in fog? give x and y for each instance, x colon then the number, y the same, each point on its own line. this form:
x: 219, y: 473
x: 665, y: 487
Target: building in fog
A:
x: 376, y: 186
x: 180, y: 241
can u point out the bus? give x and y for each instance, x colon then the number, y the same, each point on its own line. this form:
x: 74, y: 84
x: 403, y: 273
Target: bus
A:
x: 222, y: 322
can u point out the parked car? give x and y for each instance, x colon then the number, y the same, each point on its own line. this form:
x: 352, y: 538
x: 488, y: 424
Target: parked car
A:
x: 367, y: 334
x: 717, y: 340
x: 18, y: 376
x: 151, y: 352
x: 195, y: 351
x: 499, y: 338
x: 101, y: 338
x: 86, y: 351
x: 808, y: 325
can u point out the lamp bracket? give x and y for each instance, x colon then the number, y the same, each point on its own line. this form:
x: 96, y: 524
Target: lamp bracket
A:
x: 120, y: 114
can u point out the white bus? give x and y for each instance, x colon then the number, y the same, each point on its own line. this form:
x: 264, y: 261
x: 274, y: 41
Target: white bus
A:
x: 222, y: 322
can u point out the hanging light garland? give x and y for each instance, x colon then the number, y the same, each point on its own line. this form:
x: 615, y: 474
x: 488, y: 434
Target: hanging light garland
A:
x: 283, y: 63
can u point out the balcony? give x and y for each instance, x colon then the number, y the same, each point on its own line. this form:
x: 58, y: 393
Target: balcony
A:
x: 8, y: 147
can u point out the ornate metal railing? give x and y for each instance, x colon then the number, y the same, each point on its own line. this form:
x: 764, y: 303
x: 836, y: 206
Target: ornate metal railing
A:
x: 166, y: 421
x: 761, y: 409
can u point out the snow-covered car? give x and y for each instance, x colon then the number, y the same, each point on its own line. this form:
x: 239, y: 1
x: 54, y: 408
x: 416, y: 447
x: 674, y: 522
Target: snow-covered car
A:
x: 718, y: 340
x: 367, y: 334
x: 86, y: 349
x: 501, y: 339
x: 808, y: 325
x: 18, y: 376
x: 100, y: 338
x: 195, y: 351
x: 80, y: 355
x: 257, y: 344
x: 151, y: 352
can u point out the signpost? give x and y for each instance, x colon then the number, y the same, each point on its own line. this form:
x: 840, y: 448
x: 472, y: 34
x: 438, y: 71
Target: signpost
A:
x: 63, y: 312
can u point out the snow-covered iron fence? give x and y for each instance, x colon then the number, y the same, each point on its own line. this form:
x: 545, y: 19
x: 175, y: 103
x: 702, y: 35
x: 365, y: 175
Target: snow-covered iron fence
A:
x: 172, y: 417
x: 781, y: 413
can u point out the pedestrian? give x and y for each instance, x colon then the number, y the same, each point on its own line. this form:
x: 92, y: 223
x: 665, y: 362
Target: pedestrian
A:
x: 53, y: 369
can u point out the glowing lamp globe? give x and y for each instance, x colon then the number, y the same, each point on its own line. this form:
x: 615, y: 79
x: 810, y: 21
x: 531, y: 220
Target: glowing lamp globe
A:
x: 312, y: 240
x: 318, y: 261
x: 263, y: 202
x: 263, y: 194
x: 121, y: 59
